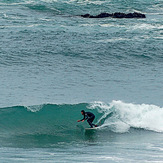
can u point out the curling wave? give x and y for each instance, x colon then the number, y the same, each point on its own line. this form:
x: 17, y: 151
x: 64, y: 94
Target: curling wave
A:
x: 50, y: 124
x: 116, y: 116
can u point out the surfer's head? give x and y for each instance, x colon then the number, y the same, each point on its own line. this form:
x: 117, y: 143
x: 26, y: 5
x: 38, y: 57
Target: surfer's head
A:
x: 82, y: 112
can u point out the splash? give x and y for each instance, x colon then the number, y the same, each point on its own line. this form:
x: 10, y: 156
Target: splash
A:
x: 128, y: 115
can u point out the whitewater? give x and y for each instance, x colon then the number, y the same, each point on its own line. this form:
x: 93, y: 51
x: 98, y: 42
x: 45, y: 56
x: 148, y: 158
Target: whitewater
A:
x: 54, y: 63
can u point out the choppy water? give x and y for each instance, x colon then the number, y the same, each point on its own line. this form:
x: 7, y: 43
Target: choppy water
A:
x: 53, y: 63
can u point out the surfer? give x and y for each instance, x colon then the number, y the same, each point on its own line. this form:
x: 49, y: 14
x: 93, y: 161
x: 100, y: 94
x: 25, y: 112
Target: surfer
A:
x: 89, y: 117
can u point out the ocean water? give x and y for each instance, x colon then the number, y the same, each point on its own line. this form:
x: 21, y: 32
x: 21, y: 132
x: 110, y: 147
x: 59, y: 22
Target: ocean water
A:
x: 53, y: 64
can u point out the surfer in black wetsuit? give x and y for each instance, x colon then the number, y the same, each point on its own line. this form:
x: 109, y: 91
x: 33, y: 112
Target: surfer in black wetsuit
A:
x: 89, y: 117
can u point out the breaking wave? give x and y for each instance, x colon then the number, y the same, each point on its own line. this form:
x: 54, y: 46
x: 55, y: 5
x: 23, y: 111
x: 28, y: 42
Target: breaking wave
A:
x: 50, y: 124
x: 53, y: 119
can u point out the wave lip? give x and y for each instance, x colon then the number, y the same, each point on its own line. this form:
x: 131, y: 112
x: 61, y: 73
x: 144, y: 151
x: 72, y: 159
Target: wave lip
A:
x: 128, y: 115
x: 144, y: 116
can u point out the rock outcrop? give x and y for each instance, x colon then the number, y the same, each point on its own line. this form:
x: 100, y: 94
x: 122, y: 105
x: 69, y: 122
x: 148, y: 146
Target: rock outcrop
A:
x: 115, y: 15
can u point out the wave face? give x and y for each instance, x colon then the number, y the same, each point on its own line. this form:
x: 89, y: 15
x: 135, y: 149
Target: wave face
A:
x: 47, y: 119
x: 50, y: 123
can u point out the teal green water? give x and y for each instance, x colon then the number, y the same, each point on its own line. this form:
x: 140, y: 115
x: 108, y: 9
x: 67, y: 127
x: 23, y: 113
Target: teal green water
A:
x: 48, y: 54
x: 53, y: 64
x: 51, y: 133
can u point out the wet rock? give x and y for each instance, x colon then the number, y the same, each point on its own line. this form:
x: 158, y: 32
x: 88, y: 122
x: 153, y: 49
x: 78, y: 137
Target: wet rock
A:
x: 115, y: 15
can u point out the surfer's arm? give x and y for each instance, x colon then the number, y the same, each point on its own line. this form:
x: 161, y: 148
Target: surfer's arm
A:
x: 84, y: 118
x: 81, y: 120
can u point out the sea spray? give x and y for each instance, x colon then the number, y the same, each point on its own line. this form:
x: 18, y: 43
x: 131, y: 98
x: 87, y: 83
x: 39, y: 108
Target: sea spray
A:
x: 143, y: 116
x: 127, y: 115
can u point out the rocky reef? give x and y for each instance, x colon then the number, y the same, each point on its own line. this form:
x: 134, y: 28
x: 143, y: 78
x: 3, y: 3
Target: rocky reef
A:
x: 115, y: 15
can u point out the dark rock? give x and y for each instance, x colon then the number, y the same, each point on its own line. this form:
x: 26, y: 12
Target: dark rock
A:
x: 115, y: 15
x: 104, y: 15
x: 86, y: 16
x: 130, y: 15
x: 119, y: 15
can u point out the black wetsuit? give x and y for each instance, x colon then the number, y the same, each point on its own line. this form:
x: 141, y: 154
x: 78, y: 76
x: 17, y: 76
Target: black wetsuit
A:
x: 89, y: 117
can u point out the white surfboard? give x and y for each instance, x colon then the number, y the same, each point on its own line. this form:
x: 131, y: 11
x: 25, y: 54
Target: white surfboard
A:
x: 94, y: 128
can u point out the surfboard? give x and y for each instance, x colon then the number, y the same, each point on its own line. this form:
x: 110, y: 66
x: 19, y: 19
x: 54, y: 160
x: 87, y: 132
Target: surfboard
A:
x: 94, y: 128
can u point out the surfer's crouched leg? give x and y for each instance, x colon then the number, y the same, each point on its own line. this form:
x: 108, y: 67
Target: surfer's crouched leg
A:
x: 90, y: 120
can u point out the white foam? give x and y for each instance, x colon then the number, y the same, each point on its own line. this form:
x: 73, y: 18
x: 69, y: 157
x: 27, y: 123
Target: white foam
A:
x: 145, y: 26
x: 140, y: 116
x: 127, y: 115
x: 34, y: 108
x: 113, y: 40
